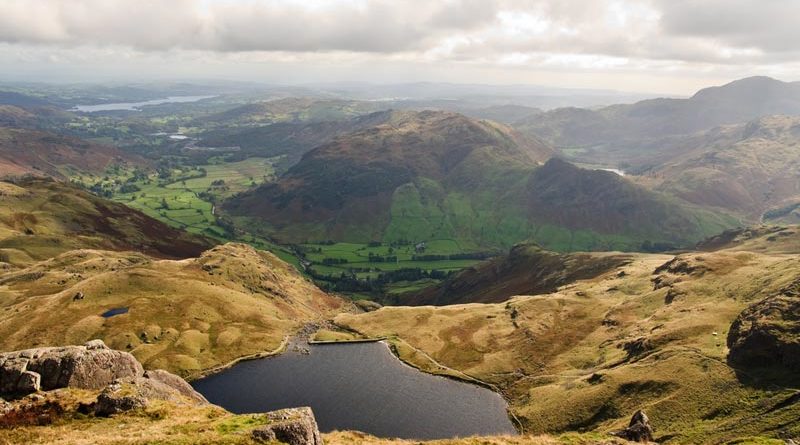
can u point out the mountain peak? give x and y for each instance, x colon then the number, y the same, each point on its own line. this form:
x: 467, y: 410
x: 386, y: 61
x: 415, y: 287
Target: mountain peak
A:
x: 748, y: 85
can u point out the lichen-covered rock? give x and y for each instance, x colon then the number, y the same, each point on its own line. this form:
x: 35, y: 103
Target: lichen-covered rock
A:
x: 119, y: 398
x: 136, y: 392
x: 92, y: 366
x: 638, y: 430
x: 767, y: 333
x: 29, y: 382
x: 295, y: 426
x: 178, y: 384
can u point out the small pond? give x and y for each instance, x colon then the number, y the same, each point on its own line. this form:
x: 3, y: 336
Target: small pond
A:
x: 360, y: 386
x: 115, y: 311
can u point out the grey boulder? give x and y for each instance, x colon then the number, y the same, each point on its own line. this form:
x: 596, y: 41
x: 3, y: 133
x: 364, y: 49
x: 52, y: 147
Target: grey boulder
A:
x: 294, y: 426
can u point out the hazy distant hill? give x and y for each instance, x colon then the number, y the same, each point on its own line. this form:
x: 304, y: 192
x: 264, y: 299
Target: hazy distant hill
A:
x: 632, y: 133
x: 292, y: 109
x: 752, y: 169
x: 440, y: 175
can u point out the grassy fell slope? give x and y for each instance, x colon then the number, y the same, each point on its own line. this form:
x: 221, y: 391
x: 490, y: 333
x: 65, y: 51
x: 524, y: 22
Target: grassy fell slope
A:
x: 586, y: 356
x: 186, y: 316
x: 40, y: 218
x: 526, y: 270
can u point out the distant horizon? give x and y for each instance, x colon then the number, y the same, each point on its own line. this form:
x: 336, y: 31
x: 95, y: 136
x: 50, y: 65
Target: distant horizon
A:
x: 199, y: 81
x: 662, y: 47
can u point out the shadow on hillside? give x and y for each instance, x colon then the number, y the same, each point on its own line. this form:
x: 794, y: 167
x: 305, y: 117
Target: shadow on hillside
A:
x: 768, y: 378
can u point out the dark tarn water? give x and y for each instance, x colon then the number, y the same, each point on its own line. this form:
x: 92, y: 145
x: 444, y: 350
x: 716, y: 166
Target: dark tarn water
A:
x: 362, y: 387
x: 115, y: 311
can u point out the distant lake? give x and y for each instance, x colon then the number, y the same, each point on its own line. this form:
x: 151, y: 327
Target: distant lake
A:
x: 133, y: 106
x: 360, y: 387
x: 614, y: 170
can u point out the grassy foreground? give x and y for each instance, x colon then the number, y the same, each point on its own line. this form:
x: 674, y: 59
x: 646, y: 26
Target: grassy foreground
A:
x: 585, y: 357
x: 168, y: 423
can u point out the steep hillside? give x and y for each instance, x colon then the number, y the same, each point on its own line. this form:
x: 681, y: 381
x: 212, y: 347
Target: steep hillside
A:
x: 40, y: 218
x: 526, y: 270
x: 635, y: 133
x: 650, y: 334
x: 604, y: 202
x: 750, y: 169
x: 439, y: 175
x: 24, y: 151
x: 13, y: 116
x: 185, y: 316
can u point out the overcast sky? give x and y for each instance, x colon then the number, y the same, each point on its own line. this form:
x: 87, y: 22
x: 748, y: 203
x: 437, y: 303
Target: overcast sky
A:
x: 665, y: 46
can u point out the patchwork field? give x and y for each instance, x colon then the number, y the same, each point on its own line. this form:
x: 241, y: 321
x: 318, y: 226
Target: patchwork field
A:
x: 404, y: 267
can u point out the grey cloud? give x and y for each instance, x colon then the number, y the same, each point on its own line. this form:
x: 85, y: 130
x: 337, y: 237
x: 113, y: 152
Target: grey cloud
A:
x: 768, y: 25
x: 245, y: 25
x: 680, y: 30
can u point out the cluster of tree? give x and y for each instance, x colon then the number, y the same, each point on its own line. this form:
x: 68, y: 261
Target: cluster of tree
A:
x: 455, y: 256
x: 100, y: 190
x: 334, y: 261
x: 375, y: 258
x: 129, y: 187
x: 651, y: 247
x: 349, y: 282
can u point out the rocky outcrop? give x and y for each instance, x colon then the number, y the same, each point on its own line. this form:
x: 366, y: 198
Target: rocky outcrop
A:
x: 118, y: 398
x: 638, y: 430
x: 125, y: 384
x: 175, y: 383
x: 295, y: 426
x: 767, y: 333
x: 136, y: 392
x: 91, y: 366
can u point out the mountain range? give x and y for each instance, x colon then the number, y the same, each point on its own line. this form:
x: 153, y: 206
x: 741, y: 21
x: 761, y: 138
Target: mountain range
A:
x: 638, y: 134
